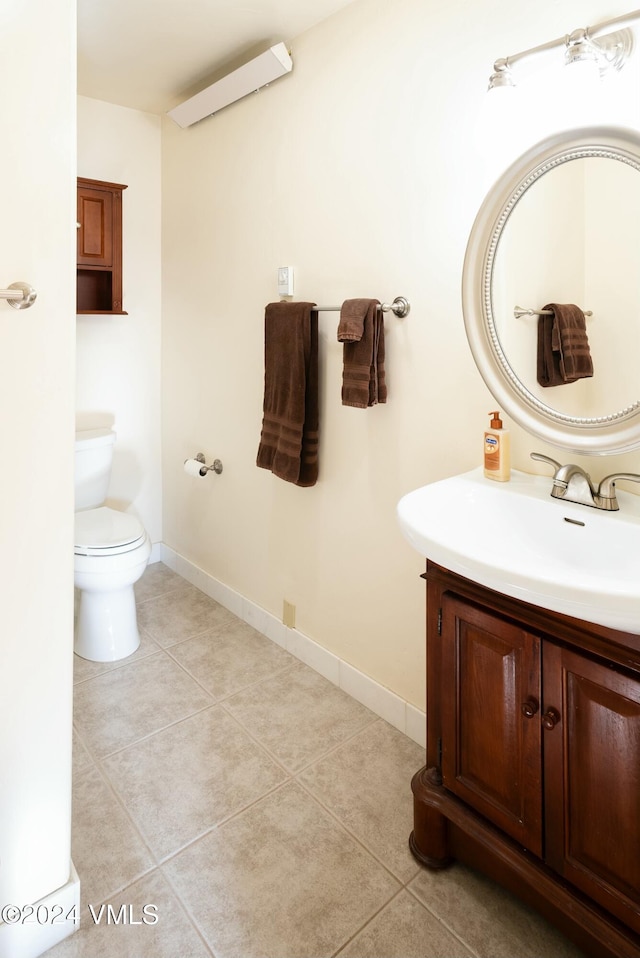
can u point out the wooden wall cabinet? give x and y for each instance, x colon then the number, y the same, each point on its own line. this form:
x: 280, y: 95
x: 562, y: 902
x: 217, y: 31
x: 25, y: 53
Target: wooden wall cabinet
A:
x: 533, y: 759
x: 99, y: 254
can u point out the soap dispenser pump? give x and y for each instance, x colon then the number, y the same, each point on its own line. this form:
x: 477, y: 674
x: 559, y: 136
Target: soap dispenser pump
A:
x: 497, y: 460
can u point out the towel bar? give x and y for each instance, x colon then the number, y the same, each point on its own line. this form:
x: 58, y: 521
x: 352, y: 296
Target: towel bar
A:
x: 519, y: 311
x: 19, y: 295
x: 400, y: 306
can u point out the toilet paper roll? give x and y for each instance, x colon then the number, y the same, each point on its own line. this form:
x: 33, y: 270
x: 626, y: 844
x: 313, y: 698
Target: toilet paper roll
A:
x: 193, y: 468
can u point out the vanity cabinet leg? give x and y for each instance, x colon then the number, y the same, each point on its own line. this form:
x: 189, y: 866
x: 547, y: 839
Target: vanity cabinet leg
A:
x: 428, y: 842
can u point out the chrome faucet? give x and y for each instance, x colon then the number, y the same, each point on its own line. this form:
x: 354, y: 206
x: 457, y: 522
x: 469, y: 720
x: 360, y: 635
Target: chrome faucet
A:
x: 573, y: 484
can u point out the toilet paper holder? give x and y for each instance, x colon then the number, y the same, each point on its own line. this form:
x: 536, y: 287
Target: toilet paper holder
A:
x: 216, y: 465
x: 189, y: 465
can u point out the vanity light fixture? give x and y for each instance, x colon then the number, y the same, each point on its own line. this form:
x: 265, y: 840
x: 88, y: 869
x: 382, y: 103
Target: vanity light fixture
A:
x: 580, y: 48
x: 502, y: 76
x: 607, y: 45
x: 609, y: 52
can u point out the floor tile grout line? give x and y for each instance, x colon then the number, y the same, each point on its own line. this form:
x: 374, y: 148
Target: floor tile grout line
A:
x: 291, y: 777
x: 159, y: 863
x: 291, y: 780
x: 125, y: 664
x: 243, y: 688
x: 158, y: 870
x: 367, y: 923
x: 256, y: 741
x: 354, y: 836
x: 224, y: 821
x: 108, y: 783
x: 100, y: 760
x: 294, y: 772
x: 119, y: 664
x: 123, y: 805
x: 78, y: 732
x: 184, y: 718
x: 213, y: 630
x: 187, y: 910
x: 289, y: 773
x: 159, y: 860
x: 186, y: 638
x: 149, y: 735
x: 439, y: 918
x: 183, y: 588
x: 293, y: 666
x: 339, y: 745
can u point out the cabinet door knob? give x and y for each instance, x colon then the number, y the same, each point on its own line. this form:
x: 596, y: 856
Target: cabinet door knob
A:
x: 550, y: 718
x: 529, y: 708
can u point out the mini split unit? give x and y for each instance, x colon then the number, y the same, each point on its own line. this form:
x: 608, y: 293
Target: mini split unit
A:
x: 274, y: 63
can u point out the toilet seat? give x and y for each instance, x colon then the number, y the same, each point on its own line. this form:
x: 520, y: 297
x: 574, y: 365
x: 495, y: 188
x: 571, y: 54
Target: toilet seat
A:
x: 107, y: 532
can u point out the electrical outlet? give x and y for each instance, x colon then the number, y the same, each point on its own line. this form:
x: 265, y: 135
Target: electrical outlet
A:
x: 288, y: 614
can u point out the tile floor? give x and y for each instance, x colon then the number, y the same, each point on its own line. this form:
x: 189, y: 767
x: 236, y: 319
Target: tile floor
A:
x: 257, y: 808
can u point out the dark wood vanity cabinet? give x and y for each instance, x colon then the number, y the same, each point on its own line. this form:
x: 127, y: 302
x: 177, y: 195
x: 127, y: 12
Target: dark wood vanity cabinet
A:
x: 99, y: 253
x: 533, y: 759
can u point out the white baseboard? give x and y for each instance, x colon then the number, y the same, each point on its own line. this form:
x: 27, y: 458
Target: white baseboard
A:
x: 381, y: 700
x: 156, y: 553
x: 52, y: 919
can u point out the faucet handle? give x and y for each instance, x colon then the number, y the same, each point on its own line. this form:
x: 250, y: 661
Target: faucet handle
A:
x: 548, y: 459
x: 607, y: 487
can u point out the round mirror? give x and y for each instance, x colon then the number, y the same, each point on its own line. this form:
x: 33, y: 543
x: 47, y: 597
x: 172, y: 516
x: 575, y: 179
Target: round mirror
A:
x: 561, y: 228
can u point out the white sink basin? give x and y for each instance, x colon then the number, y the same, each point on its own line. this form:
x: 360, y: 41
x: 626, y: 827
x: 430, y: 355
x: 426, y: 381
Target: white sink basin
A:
x: 514, y: 538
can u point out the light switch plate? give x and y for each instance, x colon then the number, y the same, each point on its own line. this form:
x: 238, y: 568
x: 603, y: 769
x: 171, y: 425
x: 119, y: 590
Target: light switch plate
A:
x: 285, y: 280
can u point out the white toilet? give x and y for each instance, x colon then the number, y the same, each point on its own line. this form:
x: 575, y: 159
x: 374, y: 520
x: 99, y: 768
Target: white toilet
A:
x: 111, y: 553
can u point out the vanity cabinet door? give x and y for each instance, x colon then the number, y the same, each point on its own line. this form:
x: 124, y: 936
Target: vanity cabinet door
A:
x: 491, y: 729
x: 592, y: 779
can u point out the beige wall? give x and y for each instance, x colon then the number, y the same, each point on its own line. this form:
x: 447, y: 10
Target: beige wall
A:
x: 364, y: 169
x: 118, y: 358
x: 37, y: 243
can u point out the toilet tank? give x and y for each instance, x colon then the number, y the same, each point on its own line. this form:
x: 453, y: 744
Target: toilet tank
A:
x: 94, y: 455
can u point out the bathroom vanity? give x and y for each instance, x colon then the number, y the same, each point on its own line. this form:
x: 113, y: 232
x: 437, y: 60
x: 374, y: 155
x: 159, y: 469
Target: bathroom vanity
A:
x: 532, y: 770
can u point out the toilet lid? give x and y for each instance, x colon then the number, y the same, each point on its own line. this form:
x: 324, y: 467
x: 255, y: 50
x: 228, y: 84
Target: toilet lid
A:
x: 102, y: 531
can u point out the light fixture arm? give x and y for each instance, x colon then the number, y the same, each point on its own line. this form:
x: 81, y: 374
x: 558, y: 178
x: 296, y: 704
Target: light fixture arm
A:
x: 618, y: 23
x: 503, y: 65
x: 512, y: 59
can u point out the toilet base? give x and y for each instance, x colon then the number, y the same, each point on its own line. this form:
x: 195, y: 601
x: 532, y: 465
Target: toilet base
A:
x: 107, y: 627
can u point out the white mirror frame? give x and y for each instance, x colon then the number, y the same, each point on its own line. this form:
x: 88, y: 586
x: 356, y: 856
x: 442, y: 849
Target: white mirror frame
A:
x: 604, y: 435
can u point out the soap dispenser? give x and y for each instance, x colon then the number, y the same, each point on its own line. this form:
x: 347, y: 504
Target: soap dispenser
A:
x: 497, y: 459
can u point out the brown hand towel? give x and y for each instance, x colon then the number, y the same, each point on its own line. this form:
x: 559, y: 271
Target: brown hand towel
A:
x: 289, y: 438
x: 352, y: 316
x: 563, y: 346
x: 363, y: 374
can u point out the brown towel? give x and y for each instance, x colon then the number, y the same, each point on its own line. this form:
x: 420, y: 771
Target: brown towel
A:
x: 363, y: 374
x: 352, y: 316
x: 563, y: 346
x: 289, y: 437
